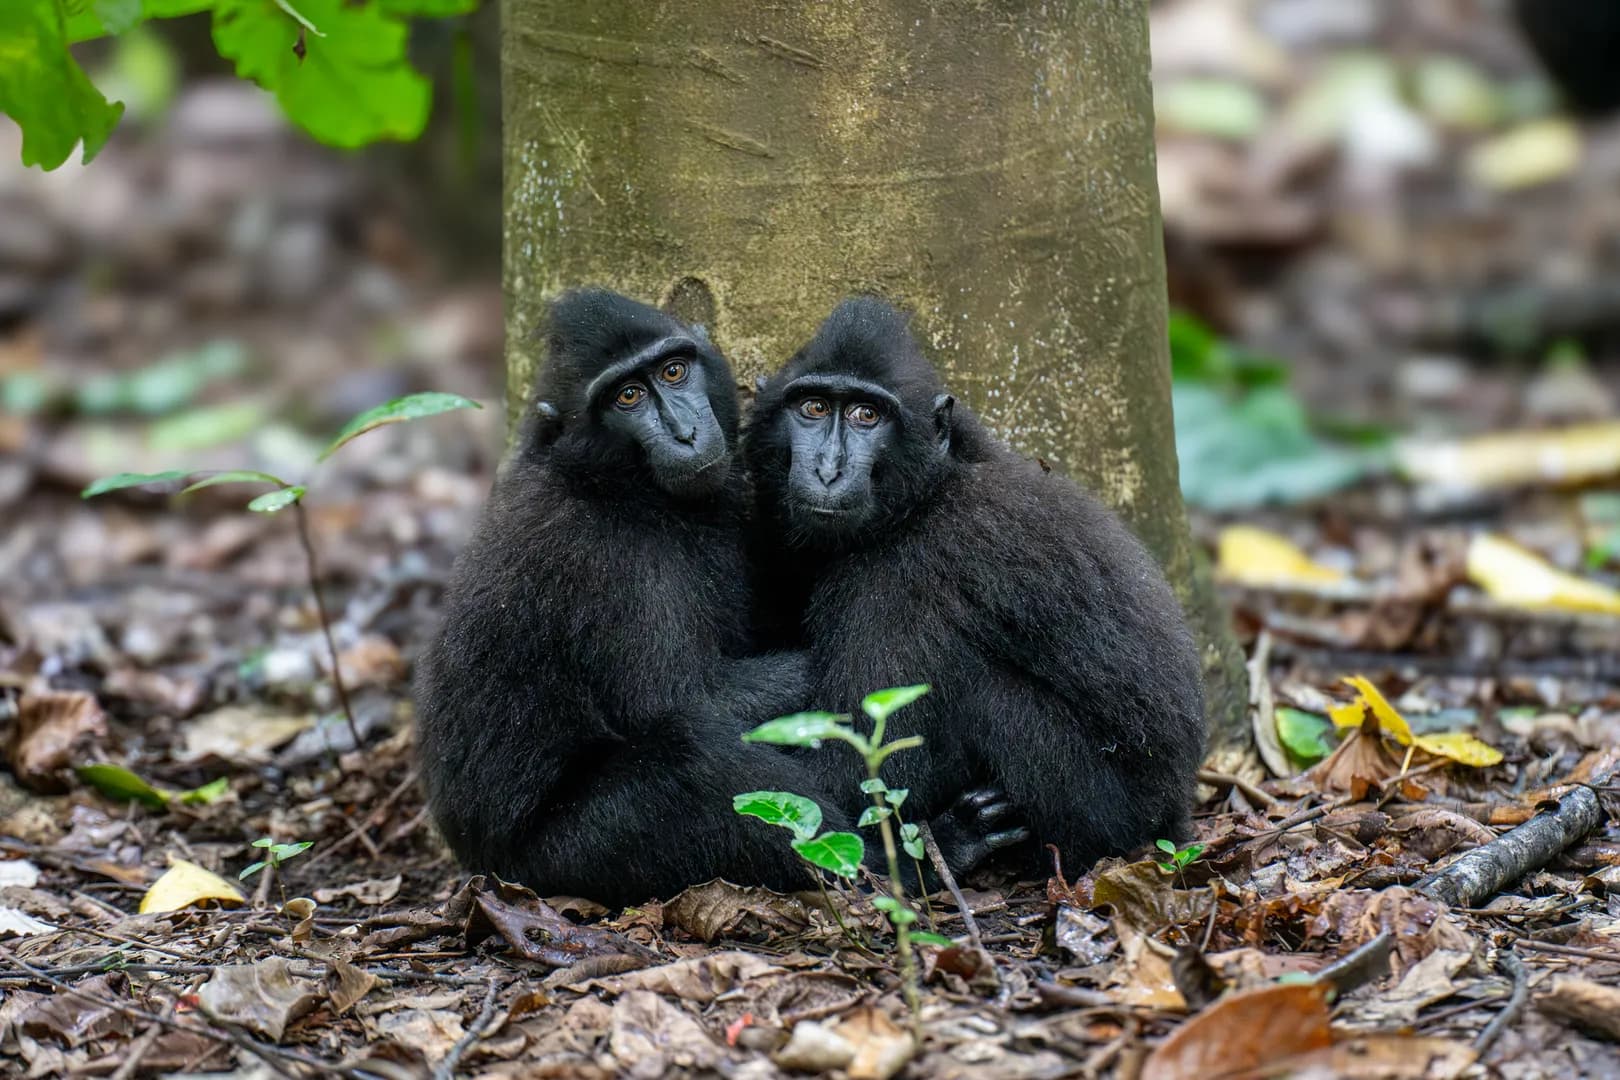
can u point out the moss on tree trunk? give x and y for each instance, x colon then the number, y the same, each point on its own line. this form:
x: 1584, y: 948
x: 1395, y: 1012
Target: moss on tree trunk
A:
x: 987, y: 164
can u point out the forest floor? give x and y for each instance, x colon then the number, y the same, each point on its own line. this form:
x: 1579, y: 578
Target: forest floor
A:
x: 221, y: 296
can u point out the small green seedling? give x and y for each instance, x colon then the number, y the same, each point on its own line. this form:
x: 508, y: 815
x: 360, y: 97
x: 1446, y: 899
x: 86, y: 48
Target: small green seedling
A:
x: 842, y: 852
x: 275, y: 855
x: 284, y: 494
x: 1180, y: 858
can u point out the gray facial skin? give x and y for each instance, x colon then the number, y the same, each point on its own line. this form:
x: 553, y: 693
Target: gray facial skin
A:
x: 664, y: 406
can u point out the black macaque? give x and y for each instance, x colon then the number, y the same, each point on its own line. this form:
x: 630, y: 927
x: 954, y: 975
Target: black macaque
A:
x: 580, y: 713
x: 1063, y: 670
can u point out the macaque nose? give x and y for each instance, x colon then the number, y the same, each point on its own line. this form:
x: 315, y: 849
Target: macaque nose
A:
x: 829, y: 469
x: 685, y: 433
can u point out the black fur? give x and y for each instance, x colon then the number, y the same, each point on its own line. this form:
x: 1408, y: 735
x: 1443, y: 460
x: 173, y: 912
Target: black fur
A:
x: 579, y: 714
x: 1063, y: 671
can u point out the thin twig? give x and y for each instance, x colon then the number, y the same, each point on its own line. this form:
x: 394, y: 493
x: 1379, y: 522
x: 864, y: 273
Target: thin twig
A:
x: 446, y: 1068
x: 1562, y: 950
x: 310, y: 564
x: 1360, y: 965
x: 1246, y: 789
x: 938, y: 860
x: 1509, y: 965
x: 137, y: 1050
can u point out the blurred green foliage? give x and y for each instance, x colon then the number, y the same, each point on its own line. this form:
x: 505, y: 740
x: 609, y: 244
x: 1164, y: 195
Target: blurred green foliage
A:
x: 1243, y: 438
x: 337, y: 67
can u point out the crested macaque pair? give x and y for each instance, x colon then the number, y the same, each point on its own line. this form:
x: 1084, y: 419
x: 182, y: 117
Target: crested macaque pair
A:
x: 607, y: 629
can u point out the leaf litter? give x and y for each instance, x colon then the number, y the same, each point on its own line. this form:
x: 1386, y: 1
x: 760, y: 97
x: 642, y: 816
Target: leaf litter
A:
x: 166, y: 646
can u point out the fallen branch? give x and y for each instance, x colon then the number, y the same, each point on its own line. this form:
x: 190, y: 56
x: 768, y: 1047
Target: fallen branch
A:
x: 447, y: 1067
x: 1522, y: 850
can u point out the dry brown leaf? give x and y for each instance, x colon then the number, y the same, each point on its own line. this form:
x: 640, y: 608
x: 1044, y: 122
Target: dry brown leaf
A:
x: 536, y: 931
x: 53, y: 729
x: 1244, y: 1031
x: 1142, y: 975
x: 1377, y: 1057
x: 1591, y: 1005
x: 71, y: 1020
x: 719, y: 909
x: 263, y: 996
x: 882, y: 1048
x: 1360, y: 764
x: 241, y: 734
x: 652, y: 1038
x: 350, y: 984
x: 371, y: 891
x: 1145, y: 896
x: 372, y: 661
x: 698, y: 978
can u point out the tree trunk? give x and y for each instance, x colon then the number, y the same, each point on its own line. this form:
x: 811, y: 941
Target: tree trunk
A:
x: 987, y: 165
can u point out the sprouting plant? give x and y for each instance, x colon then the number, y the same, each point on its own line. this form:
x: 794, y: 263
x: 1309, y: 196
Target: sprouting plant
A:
x: 274, y: 855
x: 844, y: 853
x: 1180, y: 858
x: 283, y: 494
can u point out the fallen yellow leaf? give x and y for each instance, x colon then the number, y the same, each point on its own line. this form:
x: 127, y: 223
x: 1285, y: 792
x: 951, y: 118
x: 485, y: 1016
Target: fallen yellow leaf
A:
x: 184, y: 884
x: 1252, y: 556
x: 1392, y: 722
x: 1509, y: 573
x: 1569, y: 455
x: 1459, y: 746
x: 1530, y: 154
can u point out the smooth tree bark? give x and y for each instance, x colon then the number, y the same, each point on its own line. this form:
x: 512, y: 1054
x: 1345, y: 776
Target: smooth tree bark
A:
x: 988, y: 165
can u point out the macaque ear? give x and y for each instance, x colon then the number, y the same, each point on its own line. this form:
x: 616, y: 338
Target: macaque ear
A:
x: 547, y: 423
x: 942, y: 419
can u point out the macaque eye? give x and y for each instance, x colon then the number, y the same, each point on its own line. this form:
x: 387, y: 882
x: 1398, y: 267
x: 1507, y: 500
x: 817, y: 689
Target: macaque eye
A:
x: 815, y: 408
x: 629, y: 395
x: 674, y: 373
x: 862, y: 414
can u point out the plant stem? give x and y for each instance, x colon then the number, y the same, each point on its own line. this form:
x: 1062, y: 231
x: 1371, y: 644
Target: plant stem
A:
x: 902, y: 932
x: 326, y: 623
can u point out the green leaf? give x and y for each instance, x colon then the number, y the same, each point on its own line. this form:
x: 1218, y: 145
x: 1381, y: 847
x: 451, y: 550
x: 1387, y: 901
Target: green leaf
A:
x: 117, y: 782
x: 348, y: 87
x: 235, y: 476
x: 410, y: 407
x: 1189, y: 853
x: 117, y: 15
x: 895, y: 796
x: 782, y: 808
x: 273, y: 501
x: 43, y: 88
x: 85, y: 22
x: 880, y: 704
x: 898, y: 913
x: 840, y: 852
x: 915, y: 848
x: 1307, y: 737
x: 206, y: 426
x: 252, y: 869
x: 210, y: 792
x: 1165, y: 846
x: 872, y: 815
x: 264, y: 842
x: 1166, y: 867
x: 1242, y: 450
x: 298, y: 17
x: 801, y: 729
x: 131, y: 479
x: 909, y: 831
x: 874, y: 785
x: 280, y: 853
x: 928, y: 937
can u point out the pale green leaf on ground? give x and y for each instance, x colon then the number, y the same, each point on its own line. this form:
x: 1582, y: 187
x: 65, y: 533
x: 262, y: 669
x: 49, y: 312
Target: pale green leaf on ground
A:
x: 410, y: 407
x: 272, y: 501
x: 351, y: 85
x: 928, y: 937
x: 117, y: 782
x: 130, y: 479
x: 782, y: 808
x: 840, y: 852
x: 43, y: 88
x: 1306, y: 736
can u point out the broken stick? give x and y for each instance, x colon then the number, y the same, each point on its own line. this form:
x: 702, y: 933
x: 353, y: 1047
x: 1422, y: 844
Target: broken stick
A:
x: 1484, y: 871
